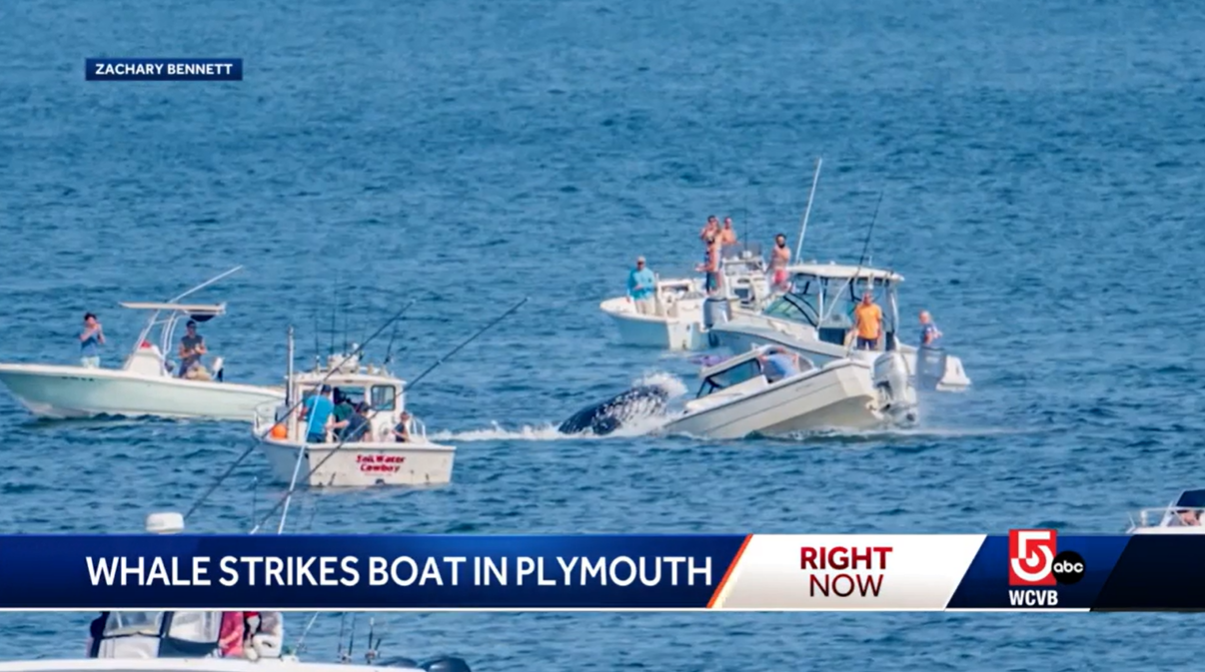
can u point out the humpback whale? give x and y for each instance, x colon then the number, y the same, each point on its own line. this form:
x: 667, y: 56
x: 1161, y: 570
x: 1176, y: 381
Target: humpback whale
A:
x: 643, y: 401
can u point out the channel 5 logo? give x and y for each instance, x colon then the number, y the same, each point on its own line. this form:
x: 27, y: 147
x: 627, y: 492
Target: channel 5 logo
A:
x: 1034, y: 560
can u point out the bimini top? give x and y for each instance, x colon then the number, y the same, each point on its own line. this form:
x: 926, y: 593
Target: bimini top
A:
x: 194, y: 309
x: 837, y: 271
x: 1191, y: 499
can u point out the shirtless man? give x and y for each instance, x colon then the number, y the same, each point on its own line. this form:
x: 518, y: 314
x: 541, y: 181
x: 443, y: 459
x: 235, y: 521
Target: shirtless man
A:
x: 780, y: 258
x: 728, y: 234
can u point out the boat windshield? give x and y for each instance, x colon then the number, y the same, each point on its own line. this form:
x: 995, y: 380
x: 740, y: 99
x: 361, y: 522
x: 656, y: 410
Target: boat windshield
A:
x: 133, y: 623
x: 793, y: 307
x: 738, y: 374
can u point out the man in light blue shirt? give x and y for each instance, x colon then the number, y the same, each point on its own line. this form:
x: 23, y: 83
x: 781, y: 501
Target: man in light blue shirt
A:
x: 642, y: 287
x: 318, y: 410
x: 778, y: 363
x: 90, y: 340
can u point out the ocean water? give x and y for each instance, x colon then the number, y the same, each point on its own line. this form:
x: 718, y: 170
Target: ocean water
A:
x: 1041, y: 165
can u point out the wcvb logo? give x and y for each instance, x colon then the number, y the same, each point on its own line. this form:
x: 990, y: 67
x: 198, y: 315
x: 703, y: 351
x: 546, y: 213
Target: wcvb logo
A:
x: 1034, y: 560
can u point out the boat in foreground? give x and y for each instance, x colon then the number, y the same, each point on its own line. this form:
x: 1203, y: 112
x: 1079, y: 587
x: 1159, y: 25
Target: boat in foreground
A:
x: 742, y: 396
x: 738, y: 398
x: 683, y: 309
x: 1184, y: 516
x: 376, y: 458
x: 144, y: 385
x: 814, y: 318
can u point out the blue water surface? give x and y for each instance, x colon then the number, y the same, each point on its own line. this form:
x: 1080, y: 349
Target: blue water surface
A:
x: 1041, y: 164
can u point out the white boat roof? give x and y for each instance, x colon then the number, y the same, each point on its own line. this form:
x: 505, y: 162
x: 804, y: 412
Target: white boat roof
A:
x: 190, y: 308
x: 347, y: 378
x: 843, y: 272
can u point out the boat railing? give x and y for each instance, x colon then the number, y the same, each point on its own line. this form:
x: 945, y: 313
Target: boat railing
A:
x: 1168, y: 516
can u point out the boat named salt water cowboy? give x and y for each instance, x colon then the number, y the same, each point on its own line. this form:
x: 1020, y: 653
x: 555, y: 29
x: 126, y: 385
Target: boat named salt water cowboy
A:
x: 377, y: 456
x: 1184, y: 516
x: 683, y: 310
x: 145, y: 385
x: 815, y: 319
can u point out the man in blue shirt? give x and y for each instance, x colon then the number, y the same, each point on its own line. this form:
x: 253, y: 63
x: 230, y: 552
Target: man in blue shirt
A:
x: 318, y: 410
x: 642, y: 287
x: 779, y: 363
x: 90, y: 340
x: 929, y: 331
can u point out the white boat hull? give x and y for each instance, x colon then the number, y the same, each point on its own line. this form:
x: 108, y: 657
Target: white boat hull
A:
x: 681, y: 332
x: 840, y: 396
x: 78, y: 392
x: 362, y: 464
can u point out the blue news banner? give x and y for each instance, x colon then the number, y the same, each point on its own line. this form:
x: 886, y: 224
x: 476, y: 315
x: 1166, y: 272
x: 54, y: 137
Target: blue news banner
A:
x: 295, y: 572
x: 361, y: 572
x: 163, y: 69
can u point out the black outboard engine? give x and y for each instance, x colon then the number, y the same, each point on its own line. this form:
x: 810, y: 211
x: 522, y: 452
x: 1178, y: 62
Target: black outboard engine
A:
x: 930, y: 367
x: 644, y: 401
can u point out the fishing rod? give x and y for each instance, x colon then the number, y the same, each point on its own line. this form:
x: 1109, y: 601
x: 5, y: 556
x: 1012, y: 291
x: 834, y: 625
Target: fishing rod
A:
x: 803, y: 228
x: 284, y: 501
x: 865, y: 245
x: 294, y: 406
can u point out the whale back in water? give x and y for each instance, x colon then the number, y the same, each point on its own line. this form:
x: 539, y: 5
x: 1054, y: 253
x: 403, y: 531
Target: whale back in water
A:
x: 644, y: 401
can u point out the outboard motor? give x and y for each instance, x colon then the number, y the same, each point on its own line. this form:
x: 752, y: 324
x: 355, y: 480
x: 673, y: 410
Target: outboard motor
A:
x: 897, y: 396
x: 715, y: 311
x: 930, y: 367
x: 445, y: 664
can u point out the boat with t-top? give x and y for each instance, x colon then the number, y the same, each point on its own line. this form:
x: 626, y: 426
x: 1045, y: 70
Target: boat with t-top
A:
x: 148, y: 383
x: 816, y: 318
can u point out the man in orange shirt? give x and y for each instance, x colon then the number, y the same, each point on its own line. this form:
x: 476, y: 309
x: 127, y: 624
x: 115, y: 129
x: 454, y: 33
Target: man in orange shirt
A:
x: 868, y: 321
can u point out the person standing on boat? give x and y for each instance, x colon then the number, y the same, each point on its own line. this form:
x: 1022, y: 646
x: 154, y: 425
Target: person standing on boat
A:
x: 929, y: 331
x: 90, y: 340
x: 780, y: 258
x: 868, y: 322
x: 728, y: 234
x: 192, y: 347
x: 317, y: 413
x: 711, y: 263
x: 642, y: 287
x: 711, y: 227
x: 401, y: 433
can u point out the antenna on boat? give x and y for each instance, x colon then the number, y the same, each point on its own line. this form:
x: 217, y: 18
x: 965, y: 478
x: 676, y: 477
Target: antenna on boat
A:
x: 302, y: 454
x: 317, y: 345
x: 289, y: 411
x: 803, y: 228
x: 342, y: 629
x: 351, y: 641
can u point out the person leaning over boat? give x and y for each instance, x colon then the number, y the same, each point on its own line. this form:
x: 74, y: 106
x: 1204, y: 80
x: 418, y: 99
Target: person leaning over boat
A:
x: 192, y: 347
x: 357, y: 424
x: 929, y: 332
x: 90, y: 340
x: 642, y: 287
x: 868, y: 322
x: 778, y: 363
x: 317, y: 411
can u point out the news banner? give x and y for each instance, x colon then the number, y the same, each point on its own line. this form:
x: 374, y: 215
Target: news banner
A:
x: 1024, y: 570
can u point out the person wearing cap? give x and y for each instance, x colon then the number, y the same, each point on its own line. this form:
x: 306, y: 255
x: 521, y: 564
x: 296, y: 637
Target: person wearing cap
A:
x: 192, y: 347
x: 317, y: 414
x: 642, y: 287
x: 929, y: 331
